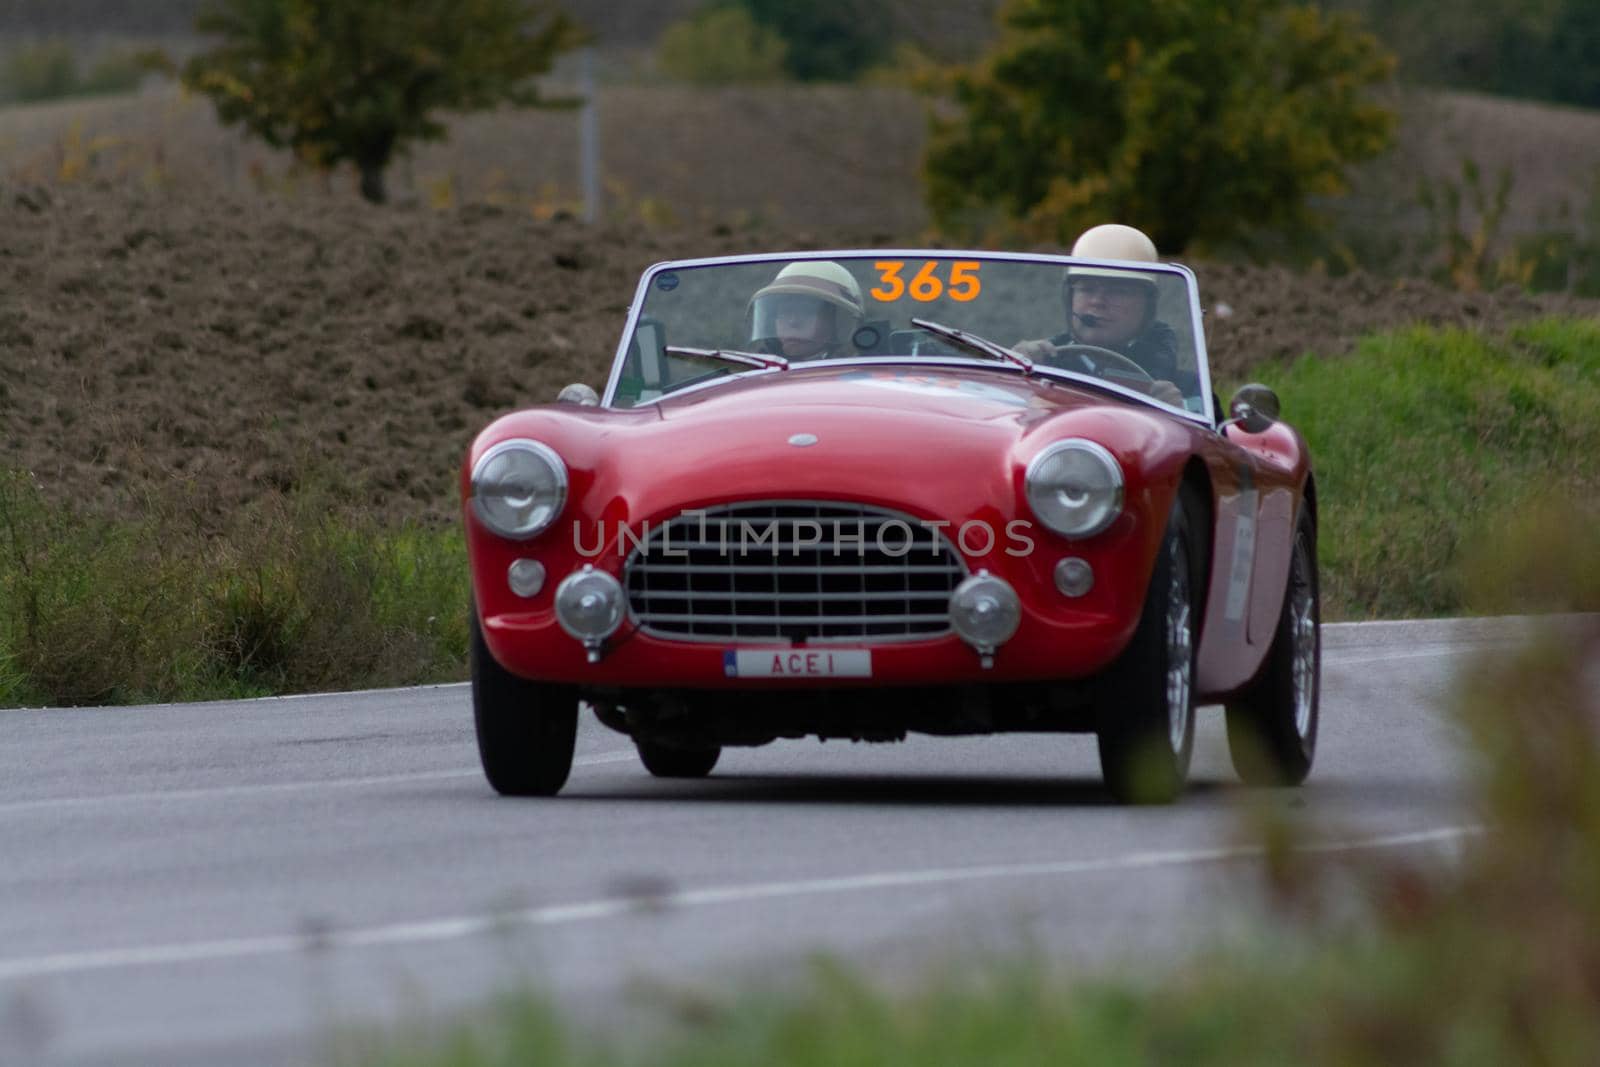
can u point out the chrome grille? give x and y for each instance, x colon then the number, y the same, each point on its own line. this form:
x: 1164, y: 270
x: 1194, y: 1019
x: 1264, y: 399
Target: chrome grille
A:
x: 793, y: 570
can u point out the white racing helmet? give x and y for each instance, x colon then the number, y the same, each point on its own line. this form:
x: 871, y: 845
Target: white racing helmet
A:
x: 821, y: 281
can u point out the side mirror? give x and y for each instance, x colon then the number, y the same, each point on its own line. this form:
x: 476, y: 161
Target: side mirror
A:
x: 1254, y: 407
x: 578, y: 393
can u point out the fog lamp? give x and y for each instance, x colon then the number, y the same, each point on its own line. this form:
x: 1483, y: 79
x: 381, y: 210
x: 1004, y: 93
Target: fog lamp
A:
x: 589, y: 607
x: 985, y: 612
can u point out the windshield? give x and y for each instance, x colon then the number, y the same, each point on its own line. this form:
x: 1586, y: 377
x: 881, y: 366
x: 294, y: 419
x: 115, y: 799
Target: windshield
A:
x: 1133, y: 329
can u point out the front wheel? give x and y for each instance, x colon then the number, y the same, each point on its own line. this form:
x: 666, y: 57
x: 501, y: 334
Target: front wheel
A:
x: 526, y: 730
x: 666, y: 761
x: 1146, y: 727
x: 1272, y: 726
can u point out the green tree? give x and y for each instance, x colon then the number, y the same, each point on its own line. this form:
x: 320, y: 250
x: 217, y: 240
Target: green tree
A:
x: 358, y: 80
x: 827, y: 40
x: 1196, y: 120
x: 721, y: 46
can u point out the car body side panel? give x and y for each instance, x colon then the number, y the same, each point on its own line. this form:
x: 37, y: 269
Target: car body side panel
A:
x: 1259, y: 480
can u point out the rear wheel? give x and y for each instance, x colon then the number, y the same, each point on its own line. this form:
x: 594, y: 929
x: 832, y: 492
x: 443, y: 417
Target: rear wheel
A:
x: 526, y: 730
x: 1146, y: 726
x: 1272, y: 727
x: 666, y: 761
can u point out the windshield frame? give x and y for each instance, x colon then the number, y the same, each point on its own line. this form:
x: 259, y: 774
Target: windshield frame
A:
x: 1202, y: 357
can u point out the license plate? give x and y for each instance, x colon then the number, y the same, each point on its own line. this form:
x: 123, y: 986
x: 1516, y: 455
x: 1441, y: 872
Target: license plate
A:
x: 798, y: 663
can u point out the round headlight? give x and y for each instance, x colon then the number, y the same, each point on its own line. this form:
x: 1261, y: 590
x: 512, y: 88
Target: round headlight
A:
x: 985, y: 612
x: 1075, y: 488
x: 518, y: 488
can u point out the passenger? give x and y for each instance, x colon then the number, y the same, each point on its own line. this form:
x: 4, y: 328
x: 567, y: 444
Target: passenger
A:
x: 811, y: 310
x: 1116, y: 309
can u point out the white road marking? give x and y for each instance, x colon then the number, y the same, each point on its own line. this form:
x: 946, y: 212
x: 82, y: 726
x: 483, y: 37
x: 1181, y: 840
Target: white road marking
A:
x: 458, y: 927
x: 269, y: 788
x: 1336, y: 660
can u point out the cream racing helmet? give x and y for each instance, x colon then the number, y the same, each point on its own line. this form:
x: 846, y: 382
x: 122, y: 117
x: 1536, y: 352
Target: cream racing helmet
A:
x: 1112, y: 241
x: 820, y: 280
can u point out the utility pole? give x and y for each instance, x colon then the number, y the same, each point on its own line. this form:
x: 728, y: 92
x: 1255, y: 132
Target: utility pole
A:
x: 589, y: 139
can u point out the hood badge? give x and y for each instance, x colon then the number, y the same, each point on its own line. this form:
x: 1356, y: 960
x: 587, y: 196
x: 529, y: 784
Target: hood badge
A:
x: 803, y: 440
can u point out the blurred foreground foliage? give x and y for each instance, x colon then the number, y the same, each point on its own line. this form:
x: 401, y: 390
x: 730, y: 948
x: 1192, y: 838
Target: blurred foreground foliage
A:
x: 1194, y: 120
x: 155, y: 605
x: 1477, y: 950
x: 358, y: 80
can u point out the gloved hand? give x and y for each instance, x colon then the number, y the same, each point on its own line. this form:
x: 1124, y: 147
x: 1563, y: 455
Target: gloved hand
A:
x: 1167, y: 393
x: 1038, y: 351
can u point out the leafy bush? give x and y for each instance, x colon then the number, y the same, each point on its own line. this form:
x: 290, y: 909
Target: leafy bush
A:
x: 1540, y: 49
x: 1195, y: 120
x: 826, y: 40
x: 720, y: 46
x: 48, y: 70
x: 115, y: 72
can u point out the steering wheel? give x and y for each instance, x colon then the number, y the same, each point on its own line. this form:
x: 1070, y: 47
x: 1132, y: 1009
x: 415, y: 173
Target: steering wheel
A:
x: 1107, y: 363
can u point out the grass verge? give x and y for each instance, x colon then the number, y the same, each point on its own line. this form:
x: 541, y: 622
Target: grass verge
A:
x: 290, y: 595
x: 1426, y: 441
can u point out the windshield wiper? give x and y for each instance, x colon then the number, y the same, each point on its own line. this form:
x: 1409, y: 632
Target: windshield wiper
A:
x: 975, y: 343
x: 747, y: 359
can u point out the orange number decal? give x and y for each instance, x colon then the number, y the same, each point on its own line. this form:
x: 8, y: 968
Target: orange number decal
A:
x: 964, y: 283
x: 893, y: 286
x: 926, y: 286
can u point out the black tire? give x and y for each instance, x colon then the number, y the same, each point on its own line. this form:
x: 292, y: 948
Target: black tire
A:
x: 1272, y: 726
x: 1146, y: 722
x: 526, y: 730
x: 665, y: 761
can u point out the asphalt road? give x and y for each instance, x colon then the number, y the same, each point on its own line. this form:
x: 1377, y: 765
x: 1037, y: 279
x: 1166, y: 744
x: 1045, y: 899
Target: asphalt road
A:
x: 233, y: 882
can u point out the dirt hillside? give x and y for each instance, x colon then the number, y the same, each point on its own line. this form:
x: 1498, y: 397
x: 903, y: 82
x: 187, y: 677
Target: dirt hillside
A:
x: 243, y: 343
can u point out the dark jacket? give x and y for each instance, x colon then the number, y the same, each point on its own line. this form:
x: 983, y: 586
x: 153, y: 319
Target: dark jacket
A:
x: 1155, y: 349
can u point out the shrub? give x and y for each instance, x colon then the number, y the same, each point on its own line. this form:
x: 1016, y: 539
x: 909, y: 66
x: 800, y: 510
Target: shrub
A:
x: 722, y: 46
x: 827, y: 40
x: 46, y: 70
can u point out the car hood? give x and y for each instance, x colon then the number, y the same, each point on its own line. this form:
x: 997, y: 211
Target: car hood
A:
x: 926, y: 440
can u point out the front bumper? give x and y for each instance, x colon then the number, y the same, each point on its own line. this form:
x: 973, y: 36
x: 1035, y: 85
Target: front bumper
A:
x: 531, y: 644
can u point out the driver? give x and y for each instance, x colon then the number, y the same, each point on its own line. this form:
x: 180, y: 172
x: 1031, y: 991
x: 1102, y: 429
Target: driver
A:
x: 811, y: 310
x: 1116, y: 309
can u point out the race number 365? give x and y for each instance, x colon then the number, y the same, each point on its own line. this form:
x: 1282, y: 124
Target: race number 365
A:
x: 925, y: 285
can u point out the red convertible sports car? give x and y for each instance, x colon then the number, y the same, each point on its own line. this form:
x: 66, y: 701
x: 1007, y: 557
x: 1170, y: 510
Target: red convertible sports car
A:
x: 854, y: 494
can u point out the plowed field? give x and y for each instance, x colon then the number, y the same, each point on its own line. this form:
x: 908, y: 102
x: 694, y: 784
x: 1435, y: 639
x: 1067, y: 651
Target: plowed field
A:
x: 241, y: 343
